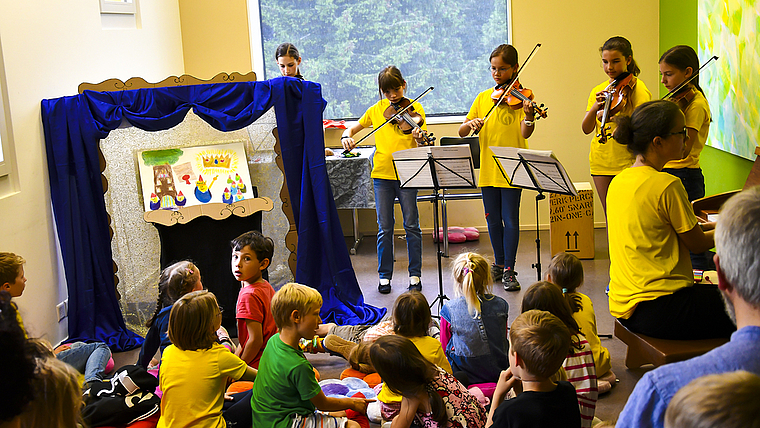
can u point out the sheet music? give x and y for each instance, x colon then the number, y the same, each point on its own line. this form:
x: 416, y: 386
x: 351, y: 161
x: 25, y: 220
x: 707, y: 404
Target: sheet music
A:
x: 527, y: 165
x: 453, y: 166
x: 511, y: 165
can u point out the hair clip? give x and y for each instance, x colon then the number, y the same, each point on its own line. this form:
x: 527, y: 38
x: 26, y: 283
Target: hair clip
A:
x: 564, y: 291
x: 466, y: 270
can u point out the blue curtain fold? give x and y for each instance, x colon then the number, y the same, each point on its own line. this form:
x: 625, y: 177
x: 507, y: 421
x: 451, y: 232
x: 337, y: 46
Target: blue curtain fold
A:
x: 73, y: 127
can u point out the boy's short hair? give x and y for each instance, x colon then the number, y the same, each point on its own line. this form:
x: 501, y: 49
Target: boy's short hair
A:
x: 191, y: 321
x: 541, y: 340
x: 262, y: 245
x: 293, y: 297
x: 411, y: 314
x: 10, y: 267
x: 725, y: 400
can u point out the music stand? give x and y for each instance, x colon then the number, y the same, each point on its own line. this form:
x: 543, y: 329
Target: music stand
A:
x: 435, y: 167
x: 537, y: 170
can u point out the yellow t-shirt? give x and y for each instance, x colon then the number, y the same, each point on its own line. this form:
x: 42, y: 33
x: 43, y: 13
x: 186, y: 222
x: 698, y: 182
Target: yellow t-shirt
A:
x: 586, y: 319
x: 388, y: 139
x: 698, y: 118
x: 193, y: 385
x: 501, y: 130
x: 431, y: 349
x: 611, y: 158
x: 646, y: 210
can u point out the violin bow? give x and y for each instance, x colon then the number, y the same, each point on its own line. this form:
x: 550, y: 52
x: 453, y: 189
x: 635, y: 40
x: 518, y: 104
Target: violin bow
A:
x: 686, y: 82
x: 392, y: 118
x: 511, y: 85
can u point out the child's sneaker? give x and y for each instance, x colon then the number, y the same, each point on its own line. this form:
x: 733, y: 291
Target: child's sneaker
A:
x: 509, y: 280
x: 497, y: 272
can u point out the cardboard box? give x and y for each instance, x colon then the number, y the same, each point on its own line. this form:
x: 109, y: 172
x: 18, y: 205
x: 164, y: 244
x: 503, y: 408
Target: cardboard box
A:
x: 572, y: 222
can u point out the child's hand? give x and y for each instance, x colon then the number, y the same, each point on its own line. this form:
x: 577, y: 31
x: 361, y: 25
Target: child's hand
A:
x: 228, y: 397
x: 348, y: 143
x: 601, y: 97
x: 506, y: 382
x: 475, y: 124
x: 360, y: 405
x: 530, y: 112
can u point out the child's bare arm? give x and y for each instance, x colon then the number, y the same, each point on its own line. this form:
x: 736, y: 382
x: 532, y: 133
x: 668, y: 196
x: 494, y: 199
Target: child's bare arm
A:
x: 250, y: 374
x: 406, y: 414
x: 331, y: 404
x: 254, y: 343
x: 506, y: 382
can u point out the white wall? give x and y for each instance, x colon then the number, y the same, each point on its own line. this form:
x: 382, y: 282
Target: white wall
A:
x: 49, y: 48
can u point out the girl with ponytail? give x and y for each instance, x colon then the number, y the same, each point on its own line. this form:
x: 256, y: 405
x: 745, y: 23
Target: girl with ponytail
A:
x: 474, y: 324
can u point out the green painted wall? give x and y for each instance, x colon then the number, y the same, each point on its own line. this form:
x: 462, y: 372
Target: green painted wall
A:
x: 678, y: 26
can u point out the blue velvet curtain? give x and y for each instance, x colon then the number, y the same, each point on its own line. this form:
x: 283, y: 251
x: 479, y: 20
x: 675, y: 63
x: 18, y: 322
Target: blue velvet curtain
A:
x: 73, y: 127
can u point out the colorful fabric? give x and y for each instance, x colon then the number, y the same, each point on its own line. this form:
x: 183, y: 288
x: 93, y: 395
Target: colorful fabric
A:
x: 646, y: 210
x: 611, y: 157
x: 581, y: 373
x: 254, y: 304
x: 462, y: 408
x: 193, y: 384
x: 432, y: 351
x: 502, y: 129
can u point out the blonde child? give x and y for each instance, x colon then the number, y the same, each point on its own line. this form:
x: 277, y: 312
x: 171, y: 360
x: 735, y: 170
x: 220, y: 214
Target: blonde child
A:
x: 175, y: 281
x: 566, y: 271
x: 388, y: 140
x: 579, y: 360
x: 251, y: 254
x: 538, y: 343
x: 288, y: 60
x: 474, y: 324
x: 725, y: 400
x: 505, y: 128
x: 195, y: 368
x: 286, y: 393
x: 431, y: 396
x: 608, y: 159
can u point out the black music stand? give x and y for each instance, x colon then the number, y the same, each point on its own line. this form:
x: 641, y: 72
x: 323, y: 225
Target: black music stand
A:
x: 435, y: 167
x: 537, y: 170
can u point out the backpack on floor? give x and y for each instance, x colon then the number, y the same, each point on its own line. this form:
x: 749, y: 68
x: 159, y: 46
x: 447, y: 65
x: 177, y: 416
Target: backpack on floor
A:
x: 125, y: 398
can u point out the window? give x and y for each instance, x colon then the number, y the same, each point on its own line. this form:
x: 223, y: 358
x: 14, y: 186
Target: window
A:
x: 345, y: 44
x: 118, y: 6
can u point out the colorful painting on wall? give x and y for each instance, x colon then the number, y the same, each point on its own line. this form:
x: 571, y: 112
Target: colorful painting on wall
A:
x: 176, y: 178
x: 729, y: 29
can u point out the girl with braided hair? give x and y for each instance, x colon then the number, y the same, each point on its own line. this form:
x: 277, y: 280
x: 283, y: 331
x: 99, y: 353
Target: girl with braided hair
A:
x: 174, y: 282
x: 474, y: 324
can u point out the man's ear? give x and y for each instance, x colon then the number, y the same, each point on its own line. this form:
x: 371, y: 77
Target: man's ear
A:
x: 723, y: 284
x: 264, y: 264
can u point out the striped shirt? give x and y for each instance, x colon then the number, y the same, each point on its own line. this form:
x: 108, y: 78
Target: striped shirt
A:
x: 581, y: 372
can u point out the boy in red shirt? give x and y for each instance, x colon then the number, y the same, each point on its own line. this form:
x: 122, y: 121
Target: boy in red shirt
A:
x: 251, y: 255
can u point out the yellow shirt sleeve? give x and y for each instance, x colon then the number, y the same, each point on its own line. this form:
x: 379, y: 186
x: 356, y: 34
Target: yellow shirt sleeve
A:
x: 698, y: 118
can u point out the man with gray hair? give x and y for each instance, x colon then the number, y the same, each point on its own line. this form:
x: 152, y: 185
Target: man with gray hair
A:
x: 737, y: 261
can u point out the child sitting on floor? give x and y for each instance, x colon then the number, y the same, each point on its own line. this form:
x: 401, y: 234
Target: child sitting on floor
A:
x: 538, y: 343
x: 286, y: 393
x: 566, y: 271
x: 579, y: 361
x: 474, y: 325
x: 431, y: 397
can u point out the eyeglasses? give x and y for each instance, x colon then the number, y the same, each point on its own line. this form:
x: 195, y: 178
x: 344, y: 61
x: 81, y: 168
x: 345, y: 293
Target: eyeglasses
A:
x: 676, y: 133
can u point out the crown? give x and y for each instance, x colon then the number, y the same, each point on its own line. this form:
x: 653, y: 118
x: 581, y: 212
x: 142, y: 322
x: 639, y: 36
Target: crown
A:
x: 217, y: 161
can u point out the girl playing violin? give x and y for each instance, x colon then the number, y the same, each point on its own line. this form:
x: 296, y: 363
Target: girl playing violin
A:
x: 607, y: 158
x: 678, y: 65
x: 289, y: 60
x: 388, y: 140
x: 506, y: 128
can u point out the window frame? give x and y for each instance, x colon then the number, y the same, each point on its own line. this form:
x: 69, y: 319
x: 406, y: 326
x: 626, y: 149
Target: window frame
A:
x: 6, y: 164
x: 259, y: 57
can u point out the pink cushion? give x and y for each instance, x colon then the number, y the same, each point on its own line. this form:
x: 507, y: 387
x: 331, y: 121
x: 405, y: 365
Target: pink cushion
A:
x: 471, y: 233
x: 454, y: 237
x: 109, y: 365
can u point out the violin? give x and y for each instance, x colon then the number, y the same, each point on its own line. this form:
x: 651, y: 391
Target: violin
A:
x: 617, y: 95
x: 516, y: 97
x: 407, y: 120
x: 684, y: 97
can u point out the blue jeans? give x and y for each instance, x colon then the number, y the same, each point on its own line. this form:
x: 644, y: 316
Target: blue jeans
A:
x: 692, y: 179
x: 502, y: 206
x: 386, y: 192
x: 88, y: 358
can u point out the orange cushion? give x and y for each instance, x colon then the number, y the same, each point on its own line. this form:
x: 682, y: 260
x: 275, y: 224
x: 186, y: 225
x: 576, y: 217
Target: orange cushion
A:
x: 239, y: 386
x: 316, y: 374
x: 373, y: 380
x: 349, y: 372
